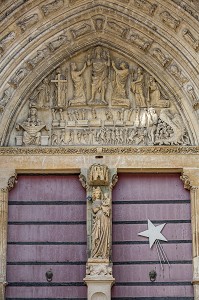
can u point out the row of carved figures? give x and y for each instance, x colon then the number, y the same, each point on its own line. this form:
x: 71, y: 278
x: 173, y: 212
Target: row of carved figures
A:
x: 147, y: 128
x: 104, y: 72
x: 141, y: 116
x: 159, y: 134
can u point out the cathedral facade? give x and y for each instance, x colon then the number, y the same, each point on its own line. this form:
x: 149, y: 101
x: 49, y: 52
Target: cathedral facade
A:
x: 99, y: 149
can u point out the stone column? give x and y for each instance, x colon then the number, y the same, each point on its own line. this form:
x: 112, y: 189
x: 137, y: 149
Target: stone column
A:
x: 98, y: 181
x: 190, y: 177
x: 7, y: 181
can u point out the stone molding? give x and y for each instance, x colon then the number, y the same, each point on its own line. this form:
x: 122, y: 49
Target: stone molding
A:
x: 175, y: 150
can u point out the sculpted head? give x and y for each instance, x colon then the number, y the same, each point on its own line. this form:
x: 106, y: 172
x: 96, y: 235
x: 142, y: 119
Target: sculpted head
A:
x: 124, y: 65
x: 73, y: 66
x: 97, y: 193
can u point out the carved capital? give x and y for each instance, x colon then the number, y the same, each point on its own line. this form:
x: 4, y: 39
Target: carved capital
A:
x: 185, y: 179
x: 190, y: 178
x: 7, y: 180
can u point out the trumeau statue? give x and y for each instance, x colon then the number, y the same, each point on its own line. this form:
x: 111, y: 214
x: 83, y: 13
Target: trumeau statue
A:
x: 101, y: 208
x: 100, y: 98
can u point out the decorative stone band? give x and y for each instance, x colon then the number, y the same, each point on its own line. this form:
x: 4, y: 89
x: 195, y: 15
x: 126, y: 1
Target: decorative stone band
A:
x: 67, y: 150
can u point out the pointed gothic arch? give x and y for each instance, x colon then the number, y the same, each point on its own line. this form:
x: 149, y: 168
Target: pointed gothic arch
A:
x: 159, y: 45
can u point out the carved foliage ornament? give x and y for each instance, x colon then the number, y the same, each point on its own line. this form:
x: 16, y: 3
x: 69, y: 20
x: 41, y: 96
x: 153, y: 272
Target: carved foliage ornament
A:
x: 11, y: 182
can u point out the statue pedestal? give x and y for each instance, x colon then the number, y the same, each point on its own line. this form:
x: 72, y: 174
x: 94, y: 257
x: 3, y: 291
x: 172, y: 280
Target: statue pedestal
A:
x: 99, y: 287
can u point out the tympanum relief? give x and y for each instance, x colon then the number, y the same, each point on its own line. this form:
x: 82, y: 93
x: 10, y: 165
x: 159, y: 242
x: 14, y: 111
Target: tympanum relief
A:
x: 99, y: 98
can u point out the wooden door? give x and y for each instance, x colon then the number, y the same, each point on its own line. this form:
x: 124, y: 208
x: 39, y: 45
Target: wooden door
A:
x: 162, y: 199
x: 47, y: 230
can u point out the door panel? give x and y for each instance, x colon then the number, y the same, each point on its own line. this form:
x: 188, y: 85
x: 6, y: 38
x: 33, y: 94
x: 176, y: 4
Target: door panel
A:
x: 47, y: 229
x: 162, y: 199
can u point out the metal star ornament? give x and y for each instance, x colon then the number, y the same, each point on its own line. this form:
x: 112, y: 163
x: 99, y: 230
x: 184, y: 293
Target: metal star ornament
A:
x: 153, y: 233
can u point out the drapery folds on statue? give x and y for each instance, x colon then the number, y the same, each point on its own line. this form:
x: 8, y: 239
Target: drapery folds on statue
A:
x: 98, y: 181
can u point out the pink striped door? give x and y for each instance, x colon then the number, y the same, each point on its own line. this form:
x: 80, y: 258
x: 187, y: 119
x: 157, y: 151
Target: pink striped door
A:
x: 162, y: 199
x: 47, y: 230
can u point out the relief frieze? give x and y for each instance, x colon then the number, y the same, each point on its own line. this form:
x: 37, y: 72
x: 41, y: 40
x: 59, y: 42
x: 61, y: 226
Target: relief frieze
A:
x: 99, y: 98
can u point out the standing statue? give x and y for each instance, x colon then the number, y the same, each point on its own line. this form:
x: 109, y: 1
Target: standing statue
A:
x: 152, y: 124
x: 44, y: 93
x: 119, y: 88
x: 154, y: 94
x: 137, y: 88
x: 79, y: 85
x: 101, y: 208
x: 100, y: 72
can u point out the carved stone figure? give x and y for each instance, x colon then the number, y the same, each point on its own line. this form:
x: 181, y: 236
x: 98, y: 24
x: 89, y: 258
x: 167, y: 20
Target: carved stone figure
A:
x: 41, y: 54
x: 146, y: 6
x: 109, y: 115
x: 79, y: 85
x: 120, y: 115
x: 194, y: 96
x: 81, y: 30
x: 43, y: 92
x: 55, y: 139
x: 152, y: 124
x: 5, y: 97
x: 6, y: 40
x: 137, y: 88
x: 119, y: 88
x: 154, y: 94
x: 189, y: 37
x: 52, y: 6
x: 58, y: 42
x: 162, y: 58
x: 28, y: 22
x: 94, y: 114
x: 100, y: 72
x: 120, y: 29
x: 18, y: 77
x: 32, y: 129
x: 62, y: 137
x: 71, y: 137
x: 99, y: 270
x: 177, y: 74
x: 61, y: 92
x: 101, y: 225
x: 99, y: 22
x: 140, y: 41
x: 169, y: 20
